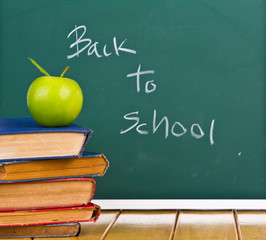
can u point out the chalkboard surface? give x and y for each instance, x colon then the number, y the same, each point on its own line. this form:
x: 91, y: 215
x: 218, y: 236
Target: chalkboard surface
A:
x: 174, y: 90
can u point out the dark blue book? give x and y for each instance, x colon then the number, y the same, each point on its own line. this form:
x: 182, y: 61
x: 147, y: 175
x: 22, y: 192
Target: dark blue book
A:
x: 45, y: 230
x: 22, y: 138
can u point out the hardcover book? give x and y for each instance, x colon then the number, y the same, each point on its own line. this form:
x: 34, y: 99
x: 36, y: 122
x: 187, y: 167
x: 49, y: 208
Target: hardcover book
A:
x: 89, y: 164
x: 46, y: 194
x: 89, y: 212
x: 24, y: 138
x: 45, y: 230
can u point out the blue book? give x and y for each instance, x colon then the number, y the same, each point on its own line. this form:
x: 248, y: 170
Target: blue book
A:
x: 22, y: 138
x: 26, y: 170
x: 44, y: 230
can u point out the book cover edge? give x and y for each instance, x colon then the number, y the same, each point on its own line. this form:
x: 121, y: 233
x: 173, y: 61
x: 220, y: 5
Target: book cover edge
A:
x: 90, y: 205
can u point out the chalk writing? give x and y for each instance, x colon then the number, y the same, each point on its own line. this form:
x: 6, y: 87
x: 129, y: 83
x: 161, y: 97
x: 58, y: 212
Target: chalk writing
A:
x: 195, y: 135
x: 92, y: 47
x: 177, y: 129
x: 138, y: 74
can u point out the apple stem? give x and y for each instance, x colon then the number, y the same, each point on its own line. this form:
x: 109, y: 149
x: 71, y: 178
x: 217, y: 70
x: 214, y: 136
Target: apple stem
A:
x: 63, y: 73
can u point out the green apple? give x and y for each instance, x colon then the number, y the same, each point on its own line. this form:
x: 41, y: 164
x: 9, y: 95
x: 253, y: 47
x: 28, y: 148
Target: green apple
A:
x: 54, y: 101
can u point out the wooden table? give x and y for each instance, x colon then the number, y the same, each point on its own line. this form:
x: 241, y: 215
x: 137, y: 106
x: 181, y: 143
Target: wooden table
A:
x: 174, y: 225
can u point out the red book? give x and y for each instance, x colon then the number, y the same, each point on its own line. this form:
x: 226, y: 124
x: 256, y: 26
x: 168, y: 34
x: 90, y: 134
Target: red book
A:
x: 89, y: 212
x: 46, y: 194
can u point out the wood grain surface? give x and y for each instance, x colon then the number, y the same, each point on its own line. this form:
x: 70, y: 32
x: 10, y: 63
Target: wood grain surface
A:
x: 252, y: 225
x: 143, y: 225
x: 206, y: 225
x: 173, y: 225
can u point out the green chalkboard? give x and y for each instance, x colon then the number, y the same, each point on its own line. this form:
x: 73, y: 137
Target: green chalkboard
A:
x: 174, y: 90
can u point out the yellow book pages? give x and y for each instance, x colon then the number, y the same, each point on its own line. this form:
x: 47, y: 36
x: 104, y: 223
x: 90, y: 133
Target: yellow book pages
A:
x: 143, y: 225
x: 49, y: 216
x: 53, y: 173
x: 38, y: 145
x: 252, y: 225
x: 37, y: 194
x: 88, y: 164
x: 43, y: 230
x: 56, y: 164
x: 207, y: 225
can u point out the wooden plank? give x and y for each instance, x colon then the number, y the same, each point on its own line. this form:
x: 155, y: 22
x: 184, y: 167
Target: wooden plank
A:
x: 207, y: 225
x: 91, y: 230
x: 143, y: 225
x: 252, y: 225
x: 98, y: 230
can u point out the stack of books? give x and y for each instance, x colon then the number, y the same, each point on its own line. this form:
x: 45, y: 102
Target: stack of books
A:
x: 46, y: 179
